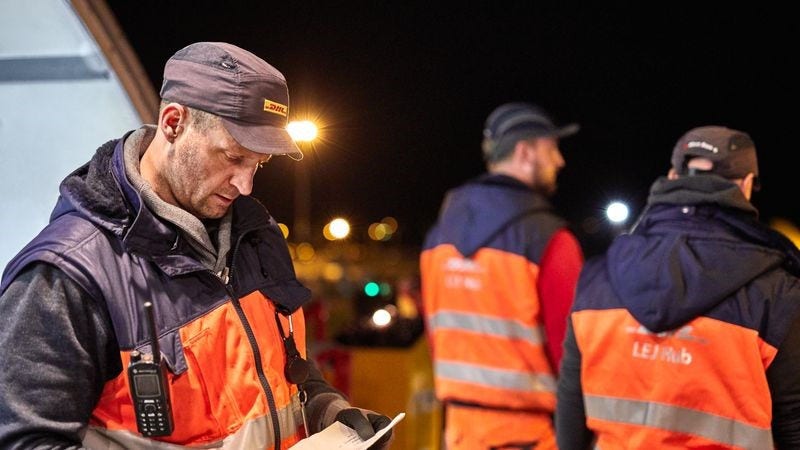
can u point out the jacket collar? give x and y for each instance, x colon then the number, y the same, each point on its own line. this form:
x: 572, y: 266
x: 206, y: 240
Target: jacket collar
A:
x: 700, y: 189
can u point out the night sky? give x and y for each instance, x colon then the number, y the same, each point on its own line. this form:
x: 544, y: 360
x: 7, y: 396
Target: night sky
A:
x: 402, y: 92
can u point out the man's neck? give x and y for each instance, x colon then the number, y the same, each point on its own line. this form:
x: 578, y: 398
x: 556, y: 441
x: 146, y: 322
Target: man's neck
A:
x: 512, y: 172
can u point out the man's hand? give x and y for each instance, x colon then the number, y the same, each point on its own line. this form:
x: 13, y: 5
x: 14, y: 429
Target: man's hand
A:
x: 366, y: 423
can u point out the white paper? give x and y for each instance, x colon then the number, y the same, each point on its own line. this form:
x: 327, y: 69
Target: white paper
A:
x: 340, y: 436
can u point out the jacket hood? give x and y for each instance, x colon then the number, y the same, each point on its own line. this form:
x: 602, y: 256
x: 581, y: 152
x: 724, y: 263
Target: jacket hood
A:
x: 697, y: 243
x: 93, y: 191
x: 474, y: 213
x: 101, y: 192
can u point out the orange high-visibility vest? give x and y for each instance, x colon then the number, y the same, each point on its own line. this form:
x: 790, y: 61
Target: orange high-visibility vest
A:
x: 220, y: 405
x: 487, y: 342
x: 713, y: 391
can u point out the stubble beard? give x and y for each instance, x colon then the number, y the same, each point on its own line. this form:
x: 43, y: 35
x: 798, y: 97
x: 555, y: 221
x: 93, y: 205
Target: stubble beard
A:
x: 186, y: 177
x: 546, y: 184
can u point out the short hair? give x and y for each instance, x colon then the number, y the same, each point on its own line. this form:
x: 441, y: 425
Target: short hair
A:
x: 200, y: 120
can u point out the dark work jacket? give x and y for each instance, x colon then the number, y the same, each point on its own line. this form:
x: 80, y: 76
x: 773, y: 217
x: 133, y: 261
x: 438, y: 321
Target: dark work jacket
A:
x: 692, y: 309
x: 117, y: 254
x: 495, y: 211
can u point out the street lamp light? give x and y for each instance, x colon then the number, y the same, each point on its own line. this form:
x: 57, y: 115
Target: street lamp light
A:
x: 336, y: 229
x: 303, y: 132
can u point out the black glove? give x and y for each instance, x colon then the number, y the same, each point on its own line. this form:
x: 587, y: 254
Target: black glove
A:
x: 366, y: 423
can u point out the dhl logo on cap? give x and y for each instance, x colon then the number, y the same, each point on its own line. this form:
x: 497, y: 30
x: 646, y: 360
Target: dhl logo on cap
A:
x: 275, y: 108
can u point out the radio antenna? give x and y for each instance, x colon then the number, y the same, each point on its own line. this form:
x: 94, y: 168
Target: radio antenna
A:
x: 151, y: 323
x: 149, y: 385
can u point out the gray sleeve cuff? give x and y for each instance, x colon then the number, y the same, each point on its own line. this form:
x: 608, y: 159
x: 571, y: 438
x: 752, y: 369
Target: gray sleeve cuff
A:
x: 322, y: 409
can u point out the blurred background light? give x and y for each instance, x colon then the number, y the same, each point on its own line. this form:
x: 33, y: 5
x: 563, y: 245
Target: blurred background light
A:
x: 617, y: 212
x: 284, y: 230
x: 381, y: 318
x: 339, y: 228
x: 372, y: 289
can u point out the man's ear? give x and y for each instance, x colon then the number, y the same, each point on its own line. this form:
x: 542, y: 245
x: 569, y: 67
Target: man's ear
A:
x: 525, y: 150
x: 171, y: 120
x: 672, y: 174
x: 746, y: 185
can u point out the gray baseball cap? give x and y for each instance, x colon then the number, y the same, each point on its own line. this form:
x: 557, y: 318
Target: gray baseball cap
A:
x: 513, y: 122
x: 248, y: 94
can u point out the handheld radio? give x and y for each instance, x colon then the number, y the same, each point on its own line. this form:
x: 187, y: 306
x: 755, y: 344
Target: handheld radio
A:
x: 148, y: 386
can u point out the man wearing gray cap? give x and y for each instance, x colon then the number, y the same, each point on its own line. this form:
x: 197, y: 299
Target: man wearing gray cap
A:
x: 498, y: 271
x: 686, y: 333
x: 159, y: 308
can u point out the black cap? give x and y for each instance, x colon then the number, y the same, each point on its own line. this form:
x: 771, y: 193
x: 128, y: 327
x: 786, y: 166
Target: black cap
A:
x: 732, y: 152
x: 512, y: 122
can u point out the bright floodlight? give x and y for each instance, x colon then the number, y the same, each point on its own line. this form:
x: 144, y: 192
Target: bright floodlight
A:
x: 381, y: 318
x: 302, y: 130
x: 339, y: 228
x: 617, y: 212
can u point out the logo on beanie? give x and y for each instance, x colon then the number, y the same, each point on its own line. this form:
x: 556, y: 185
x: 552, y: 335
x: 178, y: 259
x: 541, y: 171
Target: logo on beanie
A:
x: 275, y: 108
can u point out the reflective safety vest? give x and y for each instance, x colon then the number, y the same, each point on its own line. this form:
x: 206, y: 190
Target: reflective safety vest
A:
x: 217, y: 405
x: 482, y: 315
x: 480, y: 275
x: 712, y: 392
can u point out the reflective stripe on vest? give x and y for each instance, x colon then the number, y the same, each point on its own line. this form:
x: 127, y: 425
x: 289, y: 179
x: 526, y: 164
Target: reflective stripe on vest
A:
x: 255, y: 434
x: 677, y: 419
x: 496, y: 378
x: 512, y: 329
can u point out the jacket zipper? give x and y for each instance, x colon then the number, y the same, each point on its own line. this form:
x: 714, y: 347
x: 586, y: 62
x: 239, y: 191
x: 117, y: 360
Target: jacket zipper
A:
x: 273, y: 409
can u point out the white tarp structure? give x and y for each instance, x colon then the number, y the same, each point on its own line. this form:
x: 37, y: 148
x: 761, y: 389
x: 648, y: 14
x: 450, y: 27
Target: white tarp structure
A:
x: 68, y: 83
